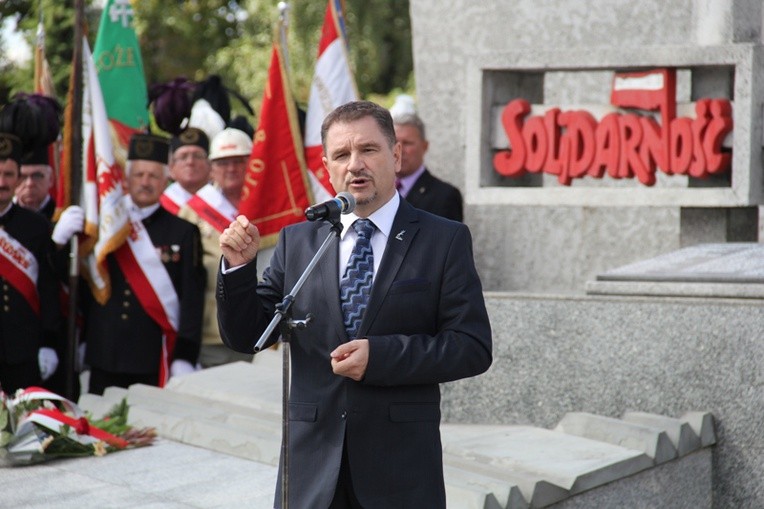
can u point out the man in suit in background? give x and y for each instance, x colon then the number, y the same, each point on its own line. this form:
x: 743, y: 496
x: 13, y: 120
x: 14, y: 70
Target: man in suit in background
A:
x: 398, y: 309
x: 415, y: 182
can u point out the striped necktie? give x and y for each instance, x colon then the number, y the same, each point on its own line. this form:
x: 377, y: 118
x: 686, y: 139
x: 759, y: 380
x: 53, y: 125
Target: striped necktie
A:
x: 355, y: 285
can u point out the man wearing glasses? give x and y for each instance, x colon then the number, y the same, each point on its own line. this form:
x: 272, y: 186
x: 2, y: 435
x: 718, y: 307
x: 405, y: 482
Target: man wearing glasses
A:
x: 189, y: 168
x: 33, y: 192
x: 212, y: 209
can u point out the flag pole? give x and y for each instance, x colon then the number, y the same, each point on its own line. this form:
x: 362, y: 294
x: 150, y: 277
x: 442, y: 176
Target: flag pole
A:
x: 285, y: 332
x: 75, y: 153
x: 283, y: 25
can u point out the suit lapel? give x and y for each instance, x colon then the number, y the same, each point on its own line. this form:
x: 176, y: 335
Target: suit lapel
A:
x: 405, y: 228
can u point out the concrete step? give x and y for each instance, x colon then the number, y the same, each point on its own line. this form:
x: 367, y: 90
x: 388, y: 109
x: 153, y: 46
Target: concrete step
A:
x: 236, y: 409
x: 553, y: 465
x: 654, y: 442
x: 681, y: 434
x: 513, y: 489
x: 702, y: 423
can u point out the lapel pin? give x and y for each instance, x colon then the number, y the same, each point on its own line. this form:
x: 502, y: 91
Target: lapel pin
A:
x: 400, y: 235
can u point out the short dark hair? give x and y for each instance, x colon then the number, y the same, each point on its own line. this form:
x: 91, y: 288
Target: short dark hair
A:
x: 357, y: 110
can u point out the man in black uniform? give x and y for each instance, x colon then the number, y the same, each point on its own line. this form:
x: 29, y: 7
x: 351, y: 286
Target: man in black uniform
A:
x: 150, y: 326
x: 28, y: 301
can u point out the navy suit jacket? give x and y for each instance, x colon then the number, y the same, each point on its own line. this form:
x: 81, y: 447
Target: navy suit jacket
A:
x: 436, y: 196
x: 426, y: 323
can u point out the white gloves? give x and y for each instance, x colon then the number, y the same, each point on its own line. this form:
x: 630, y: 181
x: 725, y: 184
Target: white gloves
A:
x: 179, y: 367
x: 48, y: 360
x: 72, y: 221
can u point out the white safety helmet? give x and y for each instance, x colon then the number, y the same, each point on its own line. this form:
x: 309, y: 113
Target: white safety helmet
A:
x: 230, y: 142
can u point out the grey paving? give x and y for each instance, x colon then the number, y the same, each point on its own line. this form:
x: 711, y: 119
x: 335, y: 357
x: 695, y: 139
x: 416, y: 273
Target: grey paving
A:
x: 166, y: 475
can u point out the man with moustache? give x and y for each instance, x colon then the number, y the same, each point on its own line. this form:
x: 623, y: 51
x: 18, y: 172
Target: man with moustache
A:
x: 398, y: 309
x: 29, y: 309
x: 150, y: 327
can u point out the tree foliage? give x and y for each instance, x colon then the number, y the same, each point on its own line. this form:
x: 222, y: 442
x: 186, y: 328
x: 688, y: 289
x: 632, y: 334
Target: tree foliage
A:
x: 58, y: 21
x: 231, y: 38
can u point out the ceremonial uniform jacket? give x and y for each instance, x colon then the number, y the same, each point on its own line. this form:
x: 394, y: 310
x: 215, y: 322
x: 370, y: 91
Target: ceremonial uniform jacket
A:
x: 121, y: 337
x: 22, y: 331
x: 436, y: 196
x: 426, y: 323
x: 212, y: 253
x: 48, y: 209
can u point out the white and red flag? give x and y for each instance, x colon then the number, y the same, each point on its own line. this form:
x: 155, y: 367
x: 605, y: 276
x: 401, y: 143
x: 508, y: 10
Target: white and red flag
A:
x: 333, y: 85
x: 107, y: 222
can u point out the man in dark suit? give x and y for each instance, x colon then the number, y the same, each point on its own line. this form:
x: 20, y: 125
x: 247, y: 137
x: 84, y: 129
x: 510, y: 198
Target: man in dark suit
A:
x: 364, y: 404
x: 415, y: 182
x: 150, y: 326
x: 28, y: 302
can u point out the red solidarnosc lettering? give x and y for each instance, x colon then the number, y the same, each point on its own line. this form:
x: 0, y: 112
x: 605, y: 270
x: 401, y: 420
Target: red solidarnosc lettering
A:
x: 576, y: 145
x: 511, y: 163
x: 608, y: 147
x: 718, y: 128
x: 572, y: 144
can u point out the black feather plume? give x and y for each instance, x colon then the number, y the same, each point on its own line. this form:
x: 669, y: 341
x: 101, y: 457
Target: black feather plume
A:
x: 34, y: 118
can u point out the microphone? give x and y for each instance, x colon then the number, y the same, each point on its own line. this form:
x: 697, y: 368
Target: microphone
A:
x: 343, y: 203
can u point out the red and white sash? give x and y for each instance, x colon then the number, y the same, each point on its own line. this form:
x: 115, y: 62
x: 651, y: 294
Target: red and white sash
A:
x: 174, y: 197
x: 19, y: 267
x: 210, y: 204
x: 149, y: 280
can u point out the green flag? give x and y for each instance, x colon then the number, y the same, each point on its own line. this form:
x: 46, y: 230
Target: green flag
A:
x: 120, y: 68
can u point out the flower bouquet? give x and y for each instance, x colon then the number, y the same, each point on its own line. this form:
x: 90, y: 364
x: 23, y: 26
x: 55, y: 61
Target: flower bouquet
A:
x: 36, y: 425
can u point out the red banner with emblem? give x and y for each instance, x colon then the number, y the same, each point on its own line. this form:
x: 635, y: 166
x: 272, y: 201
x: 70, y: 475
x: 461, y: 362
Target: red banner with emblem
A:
x: 276, y: 189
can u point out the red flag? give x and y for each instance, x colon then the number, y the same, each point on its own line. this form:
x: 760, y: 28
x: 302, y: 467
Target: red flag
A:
x: 333, y: 85
x: 276, y: 190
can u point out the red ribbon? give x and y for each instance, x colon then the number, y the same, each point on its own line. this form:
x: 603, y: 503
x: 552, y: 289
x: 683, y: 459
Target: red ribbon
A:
x: 83, y: 427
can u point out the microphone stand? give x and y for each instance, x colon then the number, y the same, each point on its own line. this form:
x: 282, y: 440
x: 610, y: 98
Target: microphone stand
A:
x: 283, y: 319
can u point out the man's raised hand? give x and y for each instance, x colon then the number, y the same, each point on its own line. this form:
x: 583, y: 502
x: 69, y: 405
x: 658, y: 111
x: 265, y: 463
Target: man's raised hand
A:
x: 240, y: 242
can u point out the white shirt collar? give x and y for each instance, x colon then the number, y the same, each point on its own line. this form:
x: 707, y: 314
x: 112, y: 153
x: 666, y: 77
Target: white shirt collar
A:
x: 382, y: 218
x: 39, y: 209
x: 141, y: 212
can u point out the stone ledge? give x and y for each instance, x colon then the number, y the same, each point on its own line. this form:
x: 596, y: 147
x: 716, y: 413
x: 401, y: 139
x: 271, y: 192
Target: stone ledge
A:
x: 654, y: 442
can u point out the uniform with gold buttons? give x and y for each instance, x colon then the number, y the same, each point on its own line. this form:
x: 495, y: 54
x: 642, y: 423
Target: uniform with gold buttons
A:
x: 124, y: 343
x: 121, y: 337
x: 22, y: 331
